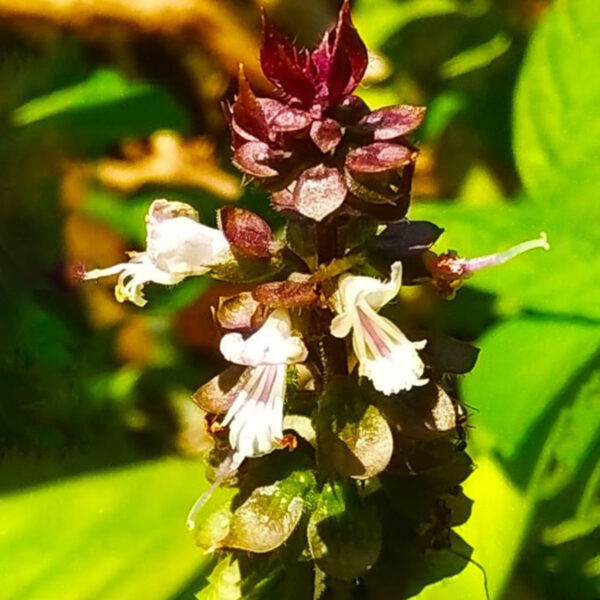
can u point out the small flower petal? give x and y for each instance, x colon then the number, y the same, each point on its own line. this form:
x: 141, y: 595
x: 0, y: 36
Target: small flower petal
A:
x: 133, y: 275
x: 180, y: 244
x: 256, y: 415
x: 377, y: 293
x: 273, y: 344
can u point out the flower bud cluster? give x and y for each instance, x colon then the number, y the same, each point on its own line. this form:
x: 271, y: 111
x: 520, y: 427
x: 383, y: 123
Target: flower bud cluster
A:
x: 317, y: 148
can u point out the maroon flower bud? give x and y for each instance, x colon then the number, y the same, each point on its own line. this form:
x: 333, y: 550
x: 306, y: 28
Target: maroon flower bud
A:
x: 317, y: 79
x: 246, y: 232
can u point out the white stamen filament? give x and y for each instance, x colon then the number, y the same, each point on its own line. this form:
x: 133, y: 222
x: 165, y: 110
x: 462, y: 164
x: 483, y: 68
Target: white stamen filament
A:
x: 474, y: 264
x: 226, y: 469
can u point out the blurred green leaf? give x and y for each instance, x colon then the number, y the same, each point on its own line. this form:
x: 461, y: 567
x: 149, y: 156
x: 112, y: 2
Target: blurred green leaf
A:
x: 104, y: 107
x: 103, y: 87
x: 476, y: 58
x: 528, y: 382
x: 557, y: 122
x: 124, y: 215
x: 108, y: 535
x: 571, y: 529
x: 515, y: 388
x: 378, y: 20
x: 171, y: 300
x: 480, y: 187
x: 577, y: 432
x: 440, y: 111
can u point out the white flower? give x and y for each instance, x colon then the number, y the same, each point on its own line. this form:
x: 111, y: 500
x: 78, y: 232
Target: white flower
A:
x: 255, y: 418
x: 386, y: 356
x: 177, y: 246
x: 256, y: 415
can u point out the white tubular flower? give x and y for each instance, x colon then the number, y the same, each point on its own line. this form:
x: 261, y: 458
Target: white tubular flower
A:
x: 255, y: 418
x: 386, y: 356
x: 177, y: 246
x: 256, y: 415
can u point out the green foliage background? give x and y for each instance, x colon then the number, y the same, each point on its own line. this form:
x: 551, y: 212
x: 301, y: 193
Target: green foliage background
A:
x: 94, y: 490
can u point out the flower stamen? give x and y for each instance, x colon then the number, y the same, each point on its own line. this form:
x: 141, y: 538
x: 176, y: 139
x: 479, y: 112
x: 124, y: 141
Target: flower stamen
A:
x: 449, y: 271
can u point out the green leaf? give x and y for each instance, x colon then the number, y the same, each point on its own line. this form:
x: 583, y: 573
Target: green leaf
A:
x: 269, y: 515
x: 476, y: 58
x: 354, y: 439
x: 570, y: 530
x: 440, y: 112
x: 214, y: 519
x: 378, y: 20
x: 344, y: 534
x: 105, y: 107
x: 525, y: 365
x: 557, y: 122
x: 224, y: 582
x: 114, y: 534
x: 576, y: 434
x: 496, y: 530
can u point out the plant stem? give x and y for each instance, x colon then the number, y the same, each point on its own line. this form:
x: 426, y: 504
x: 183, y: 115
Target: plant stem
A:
x: 332, y: 351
